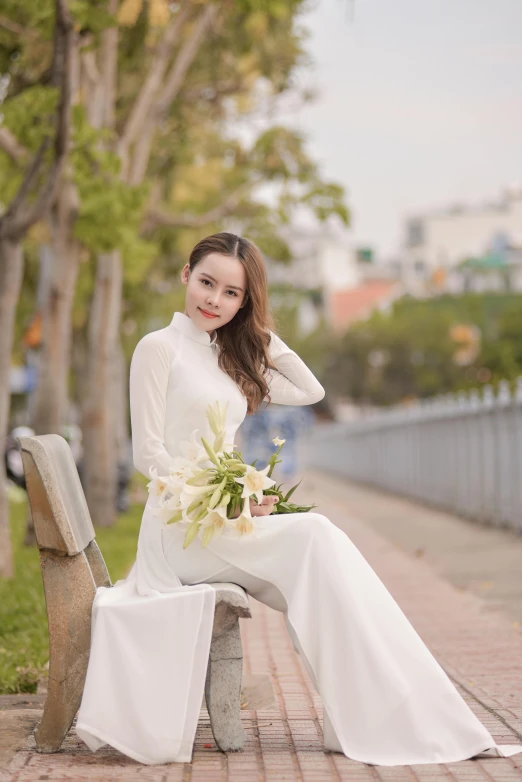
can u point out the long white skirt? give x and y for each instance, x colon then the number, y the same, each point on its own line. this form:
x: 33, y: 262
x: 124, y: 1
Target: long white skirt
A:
x: 387, y: 701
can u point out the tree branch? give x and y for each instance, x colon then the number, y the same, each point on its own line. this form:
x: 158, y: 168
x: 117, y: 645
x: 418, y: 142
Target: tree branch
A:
x: 19, y: 216
x: 172, y: 87
x: 109, y: 68
x: 152, y: 83
x: 15, y: 28
x: 32, y: 171
x: 159, y: 218
x: 10, y: 144
x: 183, y: 62
x: 211, y: 92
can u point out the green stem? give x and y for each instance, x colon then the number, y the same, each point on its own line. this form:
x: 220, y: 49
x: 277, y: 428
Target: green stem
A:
x: 273, y: 461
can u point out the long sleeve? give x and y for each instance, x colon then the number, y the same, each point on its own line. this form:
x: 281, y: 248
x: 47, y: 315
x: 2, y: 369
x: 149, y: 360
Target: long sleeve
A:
x: 293, y: 383
x: 149, y: 374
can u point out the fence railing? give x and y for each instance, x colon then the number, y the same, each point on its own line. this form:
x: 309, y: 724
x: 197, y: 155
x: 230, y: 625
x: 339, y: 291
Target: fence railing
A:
x: 461, y: 453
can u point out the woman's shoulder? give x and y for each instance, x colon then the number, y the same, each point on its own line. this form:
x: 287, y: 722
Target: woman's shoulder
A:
x: 162, y: 343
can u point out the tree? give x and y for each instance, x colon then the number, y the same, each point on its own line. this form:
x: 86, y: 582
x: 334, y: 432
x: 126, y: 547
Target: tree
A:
x: 412, y: 351
x: 140, y: 142
x: 203, y: 46
x: 31, y: 201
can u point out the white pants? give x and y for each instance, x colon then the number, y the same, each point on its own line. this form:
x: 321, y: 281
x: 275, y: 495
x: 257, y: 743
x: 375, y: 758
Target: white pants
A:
x: 387, y: 701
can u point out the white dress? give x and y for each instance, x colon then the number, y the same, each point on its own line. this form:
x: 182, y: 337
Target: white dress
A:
x: 386, y: 699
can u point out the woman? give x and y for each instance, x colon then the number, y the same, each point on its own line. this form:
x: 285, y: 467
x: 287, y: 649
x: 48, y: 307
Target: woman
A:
x: 386, y: 699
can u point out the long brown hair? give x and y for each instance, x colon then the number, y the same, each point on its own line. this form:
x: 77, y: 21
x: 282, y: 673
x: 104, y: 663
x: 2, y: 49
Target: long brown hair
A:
x: 244, y: 341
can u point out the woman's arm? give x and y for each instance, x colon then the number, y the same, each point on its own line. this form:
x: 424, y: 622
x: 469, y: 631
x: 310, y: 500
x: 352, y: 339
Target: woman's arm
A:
x: 293, y: 383
x: 149, y: 375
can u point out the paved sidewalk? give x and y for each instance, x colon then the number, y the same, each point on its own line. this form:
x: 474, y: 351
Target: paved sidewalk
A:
x: 480, y: 649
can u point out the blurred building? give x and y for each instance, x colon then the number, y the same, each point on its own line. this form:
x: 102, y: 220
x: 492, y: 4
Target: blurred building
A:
x: 328, y: 277
x: 463, y: 248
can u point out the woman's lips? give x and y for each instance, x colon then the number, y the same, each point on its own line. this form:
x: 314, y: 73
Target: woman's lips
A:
x: 207, y: 314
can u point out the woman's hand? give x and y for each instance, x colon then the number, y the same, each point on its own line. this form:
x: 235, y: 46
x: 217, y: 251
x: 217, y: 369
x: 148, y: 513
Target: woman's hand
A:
x: 266, y: 507
x: 263, y: 509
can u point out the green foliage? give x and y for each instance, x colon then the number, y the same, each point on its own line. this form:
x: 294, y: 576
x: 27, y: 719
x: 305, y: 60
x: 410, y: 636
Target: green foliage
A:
x: 23, y: 619
x: 408, y: 352
x: 91, y: 16
x: 195, y: 162
x: 30, y: 115
x: 325, y: 199
x: 110, y: 211
x: 25, y: 44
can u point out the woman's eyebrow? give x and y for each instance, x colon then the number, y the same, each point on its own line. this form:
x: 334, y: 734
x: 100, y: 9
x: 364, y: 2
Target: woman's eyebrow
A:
x: 227, y: 286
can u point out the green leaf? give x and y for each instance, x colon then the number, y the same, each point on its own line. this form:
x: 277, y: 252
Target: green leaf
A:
x: 287, y: 497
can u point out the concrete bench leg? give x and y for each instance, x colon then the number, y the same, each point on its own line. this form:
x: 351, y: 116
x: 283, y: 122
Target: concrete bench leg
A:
x: 69, y: 592
x: 223, y: 689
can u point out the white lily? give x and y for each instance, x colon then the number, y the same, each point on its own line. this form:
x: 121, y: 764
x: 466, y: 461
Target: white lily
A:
x: 218, y: 519
x: 192, y: 494
x: 167, y: 510
x: 254, y: 481
x: 278, y: 442
x: 189, y: 492
x: 192, y: 449
x: 174, y: 491
x: 158, y: 485
x: 244, y: 523
x: 182, y: 469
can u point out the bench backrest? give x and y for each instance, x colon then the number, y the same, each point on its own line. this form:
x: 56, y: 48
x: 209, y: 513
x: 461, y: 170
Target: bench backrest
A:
x: 61, y: 517
x: 62, y: 521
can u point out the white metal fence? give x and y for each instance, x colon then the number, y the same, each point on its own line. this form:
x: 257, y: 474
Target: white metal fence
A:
x: 461, y: 453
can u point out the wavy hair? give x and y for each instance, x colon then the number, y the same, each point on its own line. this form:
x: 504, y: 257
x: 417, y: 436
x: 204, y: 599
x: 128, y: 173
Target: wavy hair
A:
x: 243, y: 341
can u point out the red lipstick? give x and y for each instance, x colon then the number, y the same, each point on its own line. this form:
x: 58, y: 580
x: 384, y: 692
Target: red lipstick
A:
x: 207, y: 314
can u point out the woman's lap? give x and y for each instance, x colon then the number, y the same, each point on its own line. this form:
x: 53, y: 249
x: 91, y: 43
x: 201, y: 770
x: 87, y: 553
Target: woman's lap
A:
x: 258, y: 588
x: 196, y: 565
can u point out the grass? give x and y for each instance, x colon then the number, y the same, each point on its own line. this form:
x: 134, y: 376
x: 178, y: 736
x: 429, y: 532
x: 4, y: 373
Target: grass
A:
x: 23, y: 619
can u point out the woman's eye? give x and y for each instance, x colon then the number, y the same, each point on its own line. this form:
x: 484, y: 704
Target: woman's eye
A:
x: 233, y: 292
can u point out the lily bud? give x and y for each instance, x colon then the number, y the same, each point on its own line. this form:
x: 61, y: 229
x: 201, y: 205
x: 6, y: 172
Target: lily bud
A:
x: 208, y: 448
x: 217, y: 494
x: 177, y: 517
x: 197, y: 477
x: 225, y: 499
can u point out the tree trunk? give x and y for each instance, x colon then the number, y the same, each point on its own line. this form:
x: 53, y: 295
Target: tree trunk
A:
x: 51, y: 395
x: 99, y: 430
x: 11, y: 270
x: 28, y: 206
x: 120, y: 389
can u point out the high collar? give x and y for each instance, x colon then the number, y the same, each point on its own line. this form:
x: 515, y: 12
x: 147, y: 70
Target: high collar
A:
x: 190, y: 329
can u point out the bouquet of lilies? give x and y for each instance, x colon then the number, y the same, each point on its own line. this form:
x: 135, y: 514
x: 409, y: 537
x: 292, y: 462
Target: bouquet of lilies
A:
x: 209, y: 484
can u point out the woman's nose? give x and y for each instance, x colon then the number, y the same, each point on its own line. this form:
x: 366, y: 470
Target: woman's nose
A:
x: 213, y: 298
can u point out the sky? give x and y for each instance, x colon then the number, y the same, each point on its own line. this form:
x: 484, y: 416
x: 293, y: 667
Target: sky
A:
x: 419, y: 106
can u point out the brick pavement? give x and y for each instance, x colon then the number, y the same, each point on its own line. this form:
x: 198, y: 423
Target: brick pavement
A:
x: 481, y: 651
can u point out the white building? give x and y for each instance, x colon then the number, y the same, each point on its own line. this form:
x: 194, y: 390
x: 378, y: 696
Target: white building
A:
x: 326, y: 276
x: 464, y: 248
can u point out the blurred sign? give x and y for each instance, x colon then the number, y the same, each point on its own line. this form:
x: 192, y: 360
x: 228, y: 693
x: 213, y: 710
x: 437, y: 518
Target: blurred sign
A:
x: 365, y: 255
x: 32, y: 337
x: 467, y: 338
x: 22, y: 380
x: 438, y: 277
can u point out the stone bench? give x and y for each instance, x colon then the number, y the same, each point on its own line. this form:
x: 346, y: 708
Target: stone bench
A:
x: 73, y: 568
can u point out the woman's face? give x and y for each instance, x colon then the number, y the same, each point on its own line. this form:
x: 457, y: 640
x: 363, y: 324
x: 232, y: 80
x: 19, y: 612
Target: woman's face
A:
x: 217, y: 285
